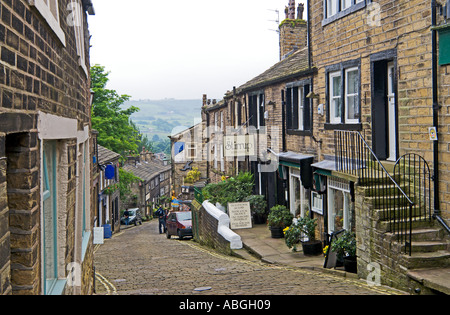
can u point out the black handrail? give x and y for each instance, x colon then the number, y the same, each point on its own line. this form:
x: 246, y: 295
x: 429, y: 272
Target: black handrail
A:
x: 353, y: 155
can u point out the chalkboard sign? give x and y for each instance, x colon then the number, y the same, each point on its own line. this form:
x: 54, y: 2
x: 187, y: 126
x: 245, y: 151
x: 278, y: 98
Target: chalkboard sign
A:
x: 240, y: 215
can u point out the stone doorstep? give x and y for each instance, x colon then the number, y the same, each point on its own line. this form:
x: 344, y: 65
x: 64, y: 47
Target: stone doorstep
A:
x: 436, y: 279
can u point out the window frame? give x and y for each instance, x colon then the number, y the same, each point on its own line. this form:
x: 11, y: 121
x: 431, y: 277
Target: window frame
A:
x: 333, y: 119
x: 52, y: 20
x: 49, y: 195
x: 77, y: 16
x: 347, y: 96
x: 298, y: 108
x: 257, y: 108
x: 342, y: 122
x: 340, y: 12
x: 334, y: 185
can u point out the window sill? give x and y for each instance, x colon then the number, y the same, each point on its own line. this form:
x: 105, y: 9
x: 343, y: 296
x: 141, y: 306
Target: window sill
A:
x: 305, y: 133
x: 355, y: 127
x: 85, y: 243
x: 57, y: 287
x: 341, y: 14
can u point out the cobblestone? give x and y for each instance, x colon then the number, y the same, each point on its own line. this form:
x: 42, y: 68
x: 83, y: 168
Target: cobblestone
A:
x: 140, y: 261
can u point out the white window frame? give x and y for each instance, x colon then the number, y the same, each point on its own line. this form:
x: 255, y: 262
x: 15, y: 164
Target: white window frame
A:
x: 295, y: 173
x: 52, y: 280
x: 345, y: 4
x: 301, y: 107
x: 332, y: 8
x: 76, y: 18
x: 334, y: 98
x: 53, y: 21
x: 348, y: 96
x: 336, y: 6
x: 338, y: 185
x: 316, y: 202
x: 191, y: 148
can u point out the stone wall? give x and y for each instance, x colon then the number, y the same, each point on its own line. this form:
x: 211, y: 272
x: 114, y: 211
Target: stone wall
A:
x: 210, y: 228
x: 40, y: 72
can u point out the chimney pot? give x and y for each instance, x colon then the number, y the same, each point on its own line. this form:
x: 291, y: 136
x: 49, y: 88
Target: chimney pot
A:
x: 291, y: 9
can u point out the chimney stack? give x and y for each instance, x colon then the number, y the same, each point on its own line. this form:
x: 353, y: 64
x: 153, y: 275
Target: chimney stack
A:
x: 293, y: 31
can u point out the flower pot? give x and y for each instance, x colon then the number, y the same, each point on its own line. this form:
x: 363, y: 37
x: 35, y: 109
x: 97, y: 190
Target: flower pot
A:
x: 312, y: 248
x: 259, y: 219
x: 277, y: 232
x: 350, y: 264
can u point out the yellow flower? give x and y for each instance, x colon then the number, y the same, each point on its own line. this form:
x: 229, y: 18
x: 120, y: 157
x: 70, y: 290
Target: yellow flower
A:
x: 325, y: 250
x: 285, y: 230
x: 224, y: 178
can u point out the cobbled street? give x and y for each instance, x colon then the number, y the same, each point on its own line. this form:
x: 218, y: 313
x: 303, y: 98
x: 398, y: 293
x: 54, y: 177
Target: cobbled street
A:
x: 140, y: 261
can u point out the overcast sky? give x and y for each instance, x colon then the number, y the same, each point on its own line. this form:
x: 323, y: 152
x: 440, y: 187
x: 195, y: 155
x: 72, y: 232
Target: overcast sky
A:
x: 183, y: 49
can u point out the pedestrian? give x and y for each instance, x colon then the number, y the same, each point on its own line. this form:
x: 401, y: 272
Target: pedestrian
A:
x: 162, y: 220
x: 126, y: 214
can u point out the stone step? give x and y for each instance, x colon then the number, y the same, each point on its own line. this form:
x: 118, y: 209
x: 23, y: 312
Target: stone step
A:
x: 386, y: 201
x: 426, y: 246
x: 422, y: 234
x: 437, y: 279
x: 418, y: 223
x: 418, y: 260
x: 390, y: 213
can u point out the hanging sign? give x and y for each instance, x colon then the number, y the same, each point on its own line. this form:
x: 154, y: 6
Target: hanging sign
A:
x: 110, y: 172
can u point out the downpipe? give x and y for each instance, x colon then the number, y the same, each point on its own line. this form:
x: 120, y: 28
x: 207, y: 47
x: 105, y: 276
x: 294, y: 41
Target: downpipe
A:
x: 435, y: 108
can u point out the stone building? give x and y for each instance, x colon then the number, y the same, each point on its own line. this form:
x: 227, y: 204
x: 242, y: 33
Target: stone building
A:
x: 45, y: 148
x: 216, y: 119
x: 187, y: 154
x: 108, y: 208
x: 155, y: 183
x: 351, y: 114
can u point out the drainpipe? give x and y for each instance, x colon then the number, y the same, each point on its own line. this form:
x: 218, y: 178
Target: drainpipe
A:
x: 435, y: 107
x: 308, y: 34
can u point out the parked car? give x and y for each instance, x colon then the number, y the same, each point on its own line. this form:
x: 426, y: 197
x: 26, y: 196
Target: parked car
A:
x: 135, y: 217
x: 180, y: 224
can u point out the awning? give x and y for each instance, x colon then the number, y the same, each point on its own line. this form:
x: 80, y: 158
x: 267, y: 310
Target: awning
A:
x: 295, y: 158
x: 302, y: 161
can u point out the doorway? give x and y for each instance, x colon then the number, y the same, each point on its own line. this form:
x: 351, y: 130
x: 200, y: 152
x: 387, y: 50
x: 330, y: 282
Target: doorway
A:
x: 384, y: 109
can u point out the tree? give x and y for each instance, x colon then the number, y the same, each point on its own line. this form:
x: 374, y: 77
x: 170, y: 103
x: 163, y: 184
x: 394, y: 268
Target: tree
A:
x: 116, y: 131
x: 126, y: 179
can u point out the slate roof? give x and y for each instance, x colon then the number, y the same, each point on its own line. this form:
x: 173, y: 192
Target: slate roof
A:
x: 106, y: 156
x: 294, y: 65
x: 146, y: 170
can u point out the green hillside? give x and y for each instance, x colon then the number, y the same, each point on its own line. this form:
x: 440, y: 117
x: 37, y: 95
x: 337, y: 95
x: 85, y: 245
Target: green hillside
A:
x: 157, y: 118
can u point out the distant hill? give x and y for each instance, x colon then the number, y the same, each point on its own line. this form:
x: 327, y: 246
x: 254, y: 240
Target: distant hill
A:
x: 160, y: 117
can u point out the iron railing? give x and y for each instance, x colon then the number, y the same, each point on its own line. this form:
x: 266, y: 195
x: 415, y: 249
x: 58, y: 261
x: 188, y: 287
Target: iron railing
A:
x: 198, y: 195
x: 354, y: 156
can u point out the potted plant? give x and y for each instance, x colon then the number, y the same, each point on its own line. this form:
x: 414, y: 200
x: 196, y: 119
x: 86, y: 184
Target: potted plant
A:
x: 258, y: 207
x: 308, y: 226
x: 292, y: 236
x: 279, y: 217
x: 345, y: 247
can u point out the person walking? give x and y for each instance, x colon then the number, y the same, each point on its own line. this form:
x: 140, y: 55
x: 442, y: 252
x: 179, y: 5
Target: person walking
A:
x: 162, y: 220
x: 127, y: 217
